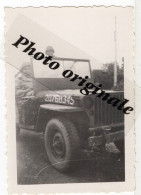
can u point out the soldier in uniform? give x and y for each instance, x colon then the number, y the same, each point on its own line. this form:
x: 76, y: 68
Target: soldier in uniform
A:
x: 23, y: 89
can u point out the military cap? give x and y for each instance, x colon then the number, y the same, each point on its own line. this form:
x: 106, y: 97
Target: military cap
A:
x: 49, y: 48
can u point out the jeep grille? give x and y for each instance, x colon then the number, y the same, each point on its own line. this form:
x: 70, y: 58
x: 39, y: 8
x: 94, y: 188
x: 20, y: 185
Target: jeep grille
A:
x: 105, y: 114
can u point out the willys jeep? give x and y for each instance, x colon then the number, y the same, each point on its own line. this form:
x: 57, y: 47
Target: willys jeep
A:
x: 70, y: 122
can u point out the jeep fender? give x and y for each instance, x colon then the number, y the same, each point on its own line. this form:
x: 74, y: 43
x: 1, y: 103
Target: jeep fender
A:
x: 48, y: 111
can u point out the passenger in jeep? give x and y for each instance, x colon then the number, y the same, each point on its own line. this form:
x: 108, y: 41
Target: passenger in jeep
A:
x: 23, y: 88
x: 50, y: 51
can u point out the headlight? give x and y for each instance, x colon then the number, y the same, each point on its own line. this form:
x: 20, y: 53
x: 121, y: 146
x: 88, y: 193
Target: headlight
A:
x: 87, y: 102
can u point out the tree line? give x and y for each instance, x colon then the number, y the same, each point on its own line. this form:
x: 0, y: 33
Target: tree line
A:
x: 105, y: 76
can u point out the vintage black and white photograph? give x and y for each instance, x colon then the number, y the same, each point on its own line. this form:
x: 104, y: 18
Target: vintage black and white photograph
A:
x: 70, y: 81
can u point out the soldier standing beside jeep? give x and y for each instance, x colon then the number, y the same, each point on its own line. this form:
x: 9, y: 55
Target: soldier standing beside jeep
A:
x: 23, y: 88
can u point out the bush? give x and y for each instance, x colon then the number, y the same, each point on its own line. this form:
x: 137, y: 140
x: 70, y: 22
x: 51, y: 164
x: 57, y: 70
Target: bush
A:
x: 106, y: 77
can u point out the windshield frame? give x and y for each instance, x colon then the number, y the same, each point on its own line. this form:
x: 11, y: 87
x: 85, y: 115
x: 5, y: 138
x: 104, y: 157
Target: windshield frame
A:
x: 66, y: 59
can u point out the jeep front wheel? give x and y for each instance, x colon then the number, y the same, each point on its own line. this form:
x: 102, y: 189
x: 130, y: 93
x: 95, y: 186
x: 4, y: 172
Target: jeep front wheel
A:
x: 62, y: 143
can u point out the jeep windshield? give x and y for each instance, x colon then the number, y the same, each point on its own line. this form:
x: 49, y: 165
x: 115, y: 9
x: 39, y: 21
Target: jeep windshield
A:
x: 78, y: 66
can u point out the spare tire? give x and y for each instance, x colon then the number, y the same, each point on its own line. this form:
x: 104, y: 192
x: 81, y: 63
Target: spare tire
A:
x: 62, y: 143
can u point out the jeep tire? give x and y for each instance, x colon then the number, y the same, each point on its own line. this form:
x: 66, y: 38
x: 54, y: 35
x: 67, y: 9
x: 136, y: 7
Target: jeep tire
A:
x: 62, y: 144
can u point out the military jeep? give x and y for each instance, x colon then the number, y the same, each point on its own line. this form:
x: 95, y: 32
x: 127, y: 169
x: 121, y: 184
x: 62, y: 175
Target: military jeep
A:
x: 70, y: 122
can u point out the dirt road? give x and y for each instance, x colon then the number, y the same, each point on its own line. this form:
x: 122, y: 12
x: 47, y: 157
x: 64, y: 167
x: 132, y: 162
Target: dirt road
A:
x: 34, y: 168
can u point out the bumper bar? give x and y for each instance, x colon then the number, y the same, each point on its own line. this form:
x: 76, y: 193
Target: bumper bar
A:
x: 106, y: 138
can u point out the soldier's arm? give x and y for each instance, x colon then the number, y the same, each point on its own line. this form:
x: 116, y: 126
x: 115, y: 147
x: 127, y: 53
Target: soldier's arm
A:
x: 21, y: 89
x: 22, y: 92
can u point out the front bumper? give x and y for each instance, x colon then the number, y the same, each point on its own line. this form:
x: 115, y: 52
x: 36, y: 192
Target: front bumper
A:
x: 105, y: 138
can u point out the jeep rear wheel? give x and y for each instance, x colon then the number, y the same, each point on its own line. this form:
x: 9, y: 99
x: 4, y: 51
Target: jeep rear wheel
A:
x: 62, y: 143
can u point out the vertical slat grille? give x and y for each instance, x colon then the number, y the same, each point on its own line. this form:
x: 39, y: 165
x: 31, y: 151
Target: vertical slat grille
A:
x: 105, y: 113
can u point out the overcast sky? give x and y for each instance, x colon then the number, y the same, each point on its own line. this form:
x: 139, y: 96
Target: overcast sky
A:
x: 89, y: 29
